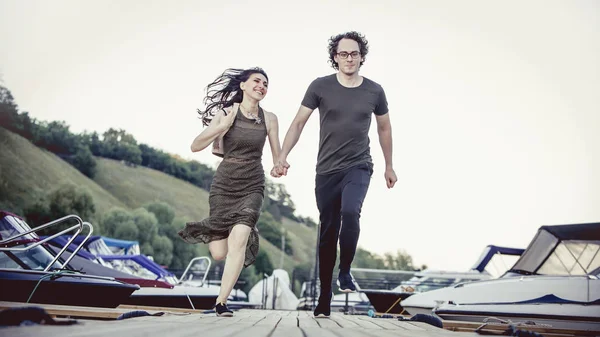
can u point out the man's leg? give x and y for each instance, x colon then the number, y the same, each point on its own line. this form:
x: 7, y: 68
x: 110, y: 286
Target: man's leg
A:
x: 355, y: 186
x: 328, y: 195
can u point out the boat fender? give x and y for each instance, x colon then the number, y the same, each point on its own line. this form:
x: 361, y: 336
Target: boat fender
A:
x: 138, y: 313
x: 429, y: 319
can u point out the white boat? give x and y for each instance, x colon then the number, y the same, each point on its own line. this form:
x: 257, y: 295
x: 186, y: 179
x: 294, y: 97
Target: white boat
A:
x: 554, y: 282
x: 189, y: 291
x: 490, y: 264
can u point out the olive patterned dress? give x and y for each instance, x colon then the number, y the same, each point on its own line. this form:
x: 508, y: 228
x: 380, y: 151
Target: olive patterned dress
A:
x: 237, y: 190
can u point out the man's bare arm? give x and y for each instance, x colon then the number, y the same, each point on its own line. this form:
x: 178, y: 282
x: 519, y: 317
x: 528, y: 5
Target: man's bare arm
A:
x: 293, y: 135
x: 294, y: 131
x: 384, y: 129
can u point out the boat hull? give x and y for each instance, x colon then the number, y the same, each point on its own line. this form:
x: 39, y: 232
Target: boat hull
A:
x: 176, y: 301
x: 177, y: 297
x: 387, y: 301
x: 65, y: 289
x: 560, y: 316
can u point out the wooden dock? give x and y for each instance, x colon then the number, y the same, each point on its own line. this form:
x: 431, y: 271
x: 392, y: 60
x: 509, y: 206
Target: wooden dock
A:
x: 96, y: 322
x: 247, y: 322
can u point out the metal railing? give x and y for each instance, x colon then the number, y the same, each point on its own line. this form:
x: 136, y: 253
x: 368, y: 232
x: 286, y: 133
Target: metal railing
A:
x: 78, y: 228
x: 182, y: 278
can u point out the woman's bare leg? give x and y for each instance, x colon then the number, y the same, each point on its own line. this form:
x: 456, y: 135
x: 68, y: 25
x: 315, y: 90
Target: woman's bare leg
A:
x: 236, y: 245
x: 218, y: 249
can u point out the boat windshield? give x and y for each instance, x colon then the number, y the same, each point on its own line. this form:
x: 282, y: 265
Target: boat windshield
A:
x: 572, y: 258
x: 500, y: 263
x: 36, y: 258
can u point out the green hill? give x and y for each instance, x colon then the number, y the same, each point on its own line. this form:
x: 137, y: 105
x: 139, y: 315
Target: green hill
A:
x: 27, y: 171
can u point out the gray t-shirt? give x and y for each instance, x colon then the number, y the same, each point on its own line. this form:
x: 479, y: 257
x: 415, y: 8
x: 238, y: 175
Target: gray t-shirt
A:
x: 345, y: 119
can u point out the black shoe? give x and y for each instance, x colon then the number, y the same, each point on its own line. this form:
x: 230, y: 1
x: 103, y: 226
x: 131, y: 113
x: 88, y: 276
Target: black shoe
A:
x: 222, y: 310
x: 323, y: 309
x: 346, y: 283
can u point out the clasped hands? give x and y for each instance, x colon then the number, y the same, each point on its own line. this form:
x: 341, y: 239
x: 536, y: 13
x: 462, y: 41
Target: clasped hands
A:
x: 280, y: 168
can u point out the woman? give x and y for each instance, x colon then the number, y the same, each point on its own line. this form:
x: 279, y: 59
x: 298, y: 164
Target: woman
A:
x: 236, y: 193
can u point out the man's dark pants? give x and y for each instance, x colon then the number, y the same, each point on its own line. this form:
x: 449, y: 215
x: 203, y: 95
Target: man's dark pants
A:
x: 340, y: 196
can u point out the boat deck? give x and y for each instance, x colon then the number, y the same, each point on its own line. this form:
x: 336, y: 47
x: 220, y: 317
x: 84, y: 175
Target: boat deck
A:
x: 246, y: 322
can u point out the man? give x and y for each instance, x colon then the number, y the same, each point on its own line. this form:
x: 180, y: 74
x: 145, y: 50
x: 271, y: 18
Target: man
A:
x: 345, y: 101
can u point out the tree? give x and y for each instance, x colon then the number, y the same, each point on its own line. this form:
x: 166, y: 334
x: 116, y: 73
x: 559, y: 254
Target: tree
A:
x: 281, y: 198
x: 249, y: 276
x: 183, y: 252
x: 400, y: 261
x: 65, y: 200
x: 163, y: 250
x: 56, y: 138
x: 7, y: 98
x: 366, y: 259
x: 271, y: 231
x: 163, y: 212
x: 84, y: 161
x: 263, y: 264
x: 93, y: 142
x: 8, y: 109
x: 113, y: 219
x: 127, y: 231
x: 11, y: 119
x: 120, y: 145
x: 146, y: 224
x: 307, y: 221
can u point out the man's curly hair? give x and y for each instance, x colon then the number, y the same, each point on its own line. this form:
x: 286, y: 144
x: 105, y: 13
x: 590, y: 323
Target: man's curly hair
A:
x: 363, y: 44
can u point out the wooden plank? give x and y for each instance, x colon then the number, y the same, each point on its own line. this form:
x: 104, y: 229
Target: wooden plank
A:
x: 73, y: 311
x: 250, y: 331
x: 309, y: 322
x: 287, y: 321
x: 406, y: 325
x: 272, y: 321
x: 122, y: 329
x: 253, y: 320
x: 318, y: 332
x: 424, y: 326
x: 146, y: 308
x: 219, y: 331
x: 285, y: 332
x: 363, y: 321
x: 327, y: 323
x: 386, y: 323
x: 343, y: 322
x: 455, y: 325
x: 206, y: 319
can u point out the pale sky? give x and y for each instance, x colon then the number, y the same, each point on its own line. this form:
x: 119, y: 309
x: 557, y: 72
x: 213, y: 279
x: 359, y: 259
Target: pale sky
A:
x: 495, y: 106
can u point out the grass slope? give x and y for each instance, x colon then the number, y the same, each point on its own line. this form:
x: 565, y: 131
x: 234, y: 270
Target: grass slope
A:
x: 26, y: 171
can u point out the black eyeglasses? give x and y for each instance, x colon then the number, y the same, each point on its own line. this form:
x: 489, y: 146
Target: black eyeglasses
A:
x: 344, y: 54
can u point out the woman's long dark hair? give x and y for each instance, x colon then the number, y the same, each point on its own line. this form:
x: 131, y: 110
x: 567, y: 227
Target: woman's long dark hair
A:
x: 225, y: 90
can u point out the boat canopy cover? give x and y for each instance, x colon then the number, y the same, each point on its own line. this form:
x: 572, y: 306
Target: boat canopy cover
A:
x: 490, y: 251
x: 61, y: 241
x: 119, y: 243
x: 587, y: 231
x: 562, y: 250
x: 143, y: 261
